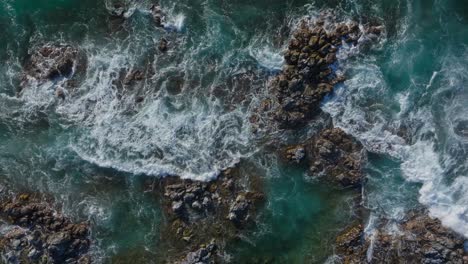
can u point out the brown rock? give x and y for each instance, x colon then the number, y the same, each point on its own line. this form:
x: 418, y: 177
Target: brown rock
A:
x: 421, y: 240
x: 337, y: 156
x: 54, y: 61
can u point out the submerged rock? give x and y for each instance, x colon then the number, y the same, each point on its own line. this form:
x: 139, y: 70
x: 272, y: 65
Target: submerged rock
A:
x: 39, y: 234
x: 118, y: 10
x: 336, y: 155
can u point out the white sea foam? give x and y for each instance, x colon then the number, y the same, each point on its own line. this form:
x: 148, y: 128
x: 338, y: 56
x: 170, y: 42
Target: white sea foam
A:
x: 268, y: 57
x: 176, y: 22
x: 189, y: 134
x: 363, y: 108
x: 189, y: 137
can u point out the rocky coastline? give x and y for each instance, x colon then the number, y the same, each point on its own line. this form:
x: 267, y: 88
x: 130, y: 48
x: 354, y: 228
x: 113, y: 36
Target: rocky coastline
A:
x: 308, y: 75
x: 306, y: 79
x: 416, y: 239
x: 202, y: 217
x: 32, y: 231
x: 61, y: 64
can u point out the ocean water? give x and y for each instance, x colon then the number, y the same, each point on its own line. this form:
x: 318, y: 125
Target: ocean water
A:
x: 405, y: 99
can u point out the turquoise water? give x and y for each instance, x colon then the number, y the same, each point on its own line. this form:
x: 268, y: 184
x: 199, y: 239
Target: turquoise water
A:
x: 405, y: 99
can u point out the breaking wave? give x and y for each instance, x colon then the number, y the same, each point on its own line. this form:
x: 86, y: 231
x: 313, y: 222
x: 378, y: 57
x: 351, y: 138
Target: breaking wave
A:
x: 418, y: 122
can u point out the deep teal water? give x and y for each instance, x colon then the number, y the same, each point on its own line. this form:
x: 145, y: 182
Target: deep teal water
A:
x: 405, y: 99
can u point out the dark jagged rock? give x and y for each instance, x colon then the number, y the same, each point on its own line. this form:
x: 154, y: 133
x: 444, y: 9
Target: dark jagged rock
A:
x: 192, y: 200
x: 421, y: 240
x: 53, y: 62
x: 307, y: 76
x: 158, y: 15
x: 294, y: 154
x: 38, y: 234
x: 163, y: 45
x: 337, y: 155
x: 118, y: 11
x: 332, y: 154
x: 351, y: 245
x: 239, y: 211
x: 205, y: 255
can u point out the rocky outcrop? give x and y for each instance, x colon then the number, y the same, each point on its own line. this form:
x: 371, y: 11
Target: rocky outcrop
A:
x: 336, y: 155
x: 419, y: 239
x: 205, y: 255
x: 200, y: 212
x: 33, y: 232
x: 308, y: 75
x: 350, y: 244
x: 158, y: 15
x: 331, y: 154
x: 133, y: 76
x: 54, y: 62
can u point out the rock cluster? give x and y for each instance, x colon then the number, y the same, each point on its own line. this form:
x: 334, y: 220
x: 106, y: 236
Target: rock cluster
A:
x: 200, y: 212
x: 193, y: 200
x: 205, y: 255
x: 296, y: 94
x: 158, y: 15
x: 420, y: 239
x: 336, y: 155
x: 332, y: 154
x: 38, y: 234
x: 307, y: 76
x: 190, y: 199
x: 53, y: 62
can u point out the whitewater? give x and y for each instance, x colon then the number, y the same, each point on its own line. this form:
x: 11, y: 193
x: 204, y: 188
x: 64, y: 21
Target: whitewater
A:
x: 404, y: 98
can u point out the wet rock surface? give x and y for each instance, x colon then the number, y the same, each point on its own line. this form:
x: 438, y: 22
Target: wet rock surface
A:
x: 337, y: 156
x: 208, y: 213
x: 33, y: 232
x: 419, y: 239
x: 205, y: 255
x: 333, y: 155
x: 158, y: 15
x: 54, y: 62
x: 308, y: 75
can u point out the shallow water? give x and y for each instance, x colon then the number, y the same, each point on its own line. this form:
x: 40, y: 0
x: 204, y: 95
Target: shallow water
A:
x: 405, y: 99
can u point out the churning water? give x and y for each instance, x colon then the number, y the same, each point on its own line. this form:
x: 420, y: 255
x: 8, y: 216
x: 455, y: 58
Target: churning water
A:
x: 405, y: 99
